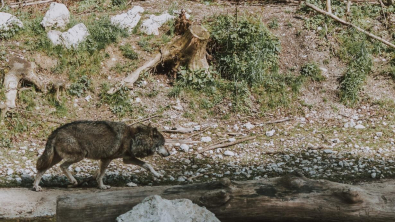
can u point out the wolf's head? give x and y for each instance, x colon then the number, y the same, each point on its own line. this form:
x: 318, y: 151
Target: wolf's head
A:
x: 147, y: 141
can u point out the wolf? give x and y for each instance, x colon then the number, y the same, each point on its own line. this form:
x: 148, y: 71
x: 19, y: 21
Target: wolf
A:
x: 99, y: 140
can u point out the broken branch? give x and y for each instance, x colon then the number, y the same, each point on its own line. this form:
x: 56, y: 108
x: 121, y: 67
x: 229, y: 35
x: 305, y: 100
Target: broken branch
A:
x: 215, y: 146
x: 349, y: 24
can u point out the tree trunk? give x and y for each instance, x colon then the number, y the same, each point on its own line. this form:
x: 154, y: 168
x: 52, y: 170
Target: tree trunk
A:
x: 289, y: 198
x: 187, y: 50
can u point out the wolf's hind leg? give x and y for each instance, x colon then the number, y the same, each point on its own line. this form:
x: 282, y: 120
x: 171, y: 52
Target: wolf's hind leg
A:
x: 65, y: 168
x: 40, y: 173
x: 103, y: 166
x: 142, y: 164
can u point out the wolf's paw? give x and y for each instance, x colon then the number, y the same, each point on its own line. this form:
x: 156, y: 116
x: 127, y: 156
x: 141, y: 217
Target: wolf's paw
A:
x: 74, y: 183
x: 104, y: 187
x: 37, y: 188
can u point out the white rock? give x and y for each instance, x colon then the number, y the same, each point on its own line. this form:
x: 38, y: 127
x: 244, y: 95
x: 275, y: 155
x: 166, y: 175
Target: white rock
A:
x: 206, y: 139
x: 270, y: 133
x: 10, y: 171
x: 54, y: 37
x: 373, y: 175
x: 249, y: 126
x: 229, y: 153
x: 184, y: 147
x: 131, y: 184
x: 196, y: 128
x: 88, y: 98
x: 138, y: 100
x: 181, y: 179
x: 77, y: 169
x: 231, y: 139
x: 74, y: 36
x: 359, y: 126
x: 379, y: 134
x: 58, y: 16
x: 7, y: 21
x: 151, y: 26
x: 154, y: 208
x: 328, y: 151
x: 129, y: 19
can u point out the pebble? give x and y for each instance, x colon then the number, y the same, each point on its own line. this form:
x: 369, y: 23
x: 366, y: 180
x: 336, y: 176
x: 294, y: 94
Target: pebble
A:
x: 229, y: 153
x: 359, y: 126
x: 270, y: 133
x: 184, y: 147
x: 206, y: 139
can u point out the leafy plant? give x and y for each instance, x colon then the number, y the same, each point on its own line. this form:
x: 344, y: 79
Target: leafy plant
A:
x: 312, y: 71
x: 119, y: 102
x: 82, y: 85
x: 198, y: 79
x: 128, y: 52
x: 273, y: 24
x: 244, y: 50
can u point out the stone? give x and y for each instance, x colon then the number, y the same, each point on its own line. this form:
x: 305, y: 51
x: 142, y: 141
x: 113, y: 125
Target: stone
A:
x: 184, y: 147
x: 229, y: 153
x: 151, y: 26
x: 270, y: 133
x: 231, y: 139
x: 373, y: 175
x: 249, y: 126
x: 8, y: 21
x: 131, y: 184
x: 129, y: 19
x: 206, y: 139
x: 58, y: 16
x: 154, y: 208
x: 359, y: 126
x: 74, y: 36
x: 10, y: 171
x: 328, y: 151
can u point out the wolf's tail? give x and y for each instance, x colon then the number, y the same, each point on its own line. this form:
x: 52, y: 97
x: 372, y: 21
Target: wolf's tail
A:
x: 45, y: 160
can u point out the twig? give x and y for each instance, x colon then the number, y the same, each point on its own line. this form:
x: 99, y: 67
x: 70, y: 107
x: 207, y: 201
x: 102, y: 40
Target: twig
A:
x: 173, y: 141
x: 2, y: 4
x: 278, y: 121
x: 349, y: 24
x: 199, y: 132
x: 141, y: 120
x: 215, y: 146
x: 180, y: 130
x: 16, y: 5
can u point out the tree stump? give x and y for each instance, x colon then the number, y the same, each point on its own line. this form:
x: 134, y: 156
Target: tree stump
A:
x: 20, y: 69
x: 187, y: 50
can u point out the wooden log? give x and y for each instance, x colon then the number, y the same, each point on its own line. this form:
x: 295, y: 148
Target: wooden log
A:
x: 289, y: 198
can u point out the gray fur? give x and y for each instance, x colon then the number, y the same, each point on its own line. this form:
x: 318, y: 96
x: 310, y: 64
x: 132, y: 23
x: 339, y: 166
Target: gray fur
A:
x: 99, y: 140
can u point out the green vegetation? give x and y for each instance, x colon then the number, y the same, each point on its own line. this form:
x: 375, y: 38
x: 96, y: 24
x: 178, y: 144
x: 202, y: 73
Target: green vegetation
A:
x: 312, y: 71
x: 119, y: 102
x: 128, y: 52
x: 79, y: 87
x: 355, y: 48
x: 244, y: 51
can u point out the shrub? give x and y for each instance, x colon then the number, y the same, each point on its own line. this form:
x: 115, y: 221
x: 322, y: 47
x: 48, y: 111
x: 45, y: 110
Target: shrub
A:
x: 119, y: 102
x: 312, y: 71
x: 244, y: 50
x: 128, y: 52
x: 80, y: 87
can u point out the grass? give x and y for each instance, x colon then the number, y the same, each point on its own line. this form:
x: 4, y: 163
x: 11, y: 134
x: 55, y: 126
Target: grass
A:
x: 119, y: 102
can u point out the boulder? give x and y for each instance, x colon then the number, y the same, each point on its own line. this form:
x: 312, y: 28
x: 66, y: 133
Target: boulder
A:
x: 7, y: 21
x: 154, y: 208
x: 71, y: 38
x: 58, y: 16
x: 74, y: 36
x: 151, y: 26
x: 129, y: 19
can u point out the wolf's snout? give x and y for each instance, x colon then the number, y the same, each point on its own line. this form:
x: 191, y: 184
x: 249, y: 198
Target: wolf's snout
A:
x: 163, y: 151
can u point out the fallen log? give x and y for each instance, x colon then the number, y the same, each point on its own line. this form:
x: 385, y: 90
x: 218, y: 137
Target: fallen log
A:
x: 289, y: 198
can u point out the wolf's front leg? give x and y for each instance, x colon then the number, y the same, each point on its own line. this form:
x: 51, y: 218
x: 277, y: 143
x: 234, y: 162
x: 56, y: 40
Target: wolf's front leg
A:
x: 103, y: 166
x: 131, y: 160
